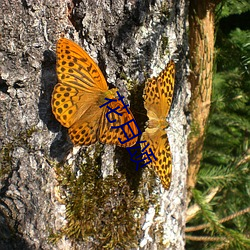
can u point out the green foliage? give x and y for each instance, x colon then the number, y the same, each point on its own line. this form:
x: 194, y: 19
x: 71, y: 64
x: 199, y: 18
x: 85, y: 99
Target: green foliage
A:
x: 207, y: 211
x: 230, y: 7
x: 218, y: 176
x: 226, y: 153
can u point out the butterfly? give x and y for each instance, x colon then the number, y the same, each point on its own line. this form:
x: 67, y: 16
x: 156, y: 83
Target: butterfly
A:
x: 157, y: 94
x: 78, y: 95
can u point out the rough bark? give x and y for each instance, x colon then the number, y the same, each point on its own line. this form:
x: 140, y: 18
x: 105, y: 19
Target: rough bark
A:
x: 123, y: 36
x: 201, y: 41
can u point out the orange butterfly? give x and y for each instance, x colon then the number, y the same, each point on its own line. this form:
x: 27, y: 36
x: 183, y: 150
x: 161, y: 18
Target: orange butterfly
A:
x: 78, y: 95
x: 158, y: 93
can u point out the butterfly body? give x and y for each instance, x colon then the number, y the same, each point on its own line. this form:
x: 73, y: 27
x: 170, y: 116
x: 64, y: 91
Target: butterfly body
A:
x: 158, y: 93
x: 78, y: 95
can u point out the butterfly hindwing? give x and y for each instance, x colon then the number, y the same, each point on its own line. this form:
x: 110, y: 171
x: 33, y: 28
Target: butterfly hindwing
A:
x: 158, y: 141
x: 84, y: 133
x: 120, y: 119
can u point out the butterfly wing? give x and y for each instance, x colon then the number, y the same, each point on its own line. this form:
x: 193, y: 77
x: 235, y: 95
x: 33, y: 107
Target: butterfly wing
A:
x: 158, y: 142
x: 75, y: 68
x: 158, y: 93
x: 124, y: 123
x: 85, y: 130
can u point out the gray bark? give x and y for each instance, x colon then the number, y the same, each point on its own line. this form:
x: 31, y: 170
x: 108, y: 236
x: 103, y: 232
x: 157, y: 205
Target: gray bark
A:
x: 123, y: 36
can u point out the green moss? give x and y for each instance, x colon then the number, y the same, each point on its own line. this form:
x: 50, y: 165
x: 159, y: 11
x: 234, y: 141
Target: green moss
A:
x: 103, y: 211
x: 5, y: 160
x: 164, y: 10
x: 129, y: 83
x: 28, y: 133
x: 164, y: 45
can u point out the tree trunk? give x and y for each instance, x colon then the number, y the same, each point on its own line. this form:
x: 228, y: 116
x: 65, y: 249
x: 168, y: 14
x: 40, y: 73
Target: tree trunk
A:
x: 201, y: 40
x: 54, y: 196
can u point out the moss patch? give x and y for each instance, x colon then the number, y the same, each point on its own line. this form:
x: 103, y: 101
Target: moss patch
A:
x: 103, y: 212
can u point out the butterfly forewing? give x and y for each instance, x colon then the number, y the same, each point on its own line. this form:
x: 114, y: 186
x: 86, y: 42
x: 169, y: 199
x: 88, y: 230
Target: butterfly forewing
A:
x: 63, y: 106
x: 70, y: 104
x: 76, y: 69
x: 158, y: 92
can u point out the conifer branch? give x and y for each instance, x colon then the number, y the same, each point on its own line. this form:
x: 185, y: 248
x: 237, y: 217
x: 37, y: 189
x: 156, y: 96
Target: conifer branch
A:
x: 245, y: 159
x: 194, y: 209
x: 205, y: 238
x: 230, y: 217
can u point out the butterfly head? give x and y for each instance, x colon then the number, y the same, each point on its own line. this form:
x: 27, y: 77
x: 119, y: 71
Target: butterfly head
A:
x: 111, y: 93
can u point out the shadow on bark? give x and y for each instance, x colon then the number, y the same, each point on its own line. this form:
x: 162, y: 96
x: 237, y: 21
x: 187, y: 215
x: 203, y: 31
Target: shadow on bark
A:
x: 9, y: 239
x: 61, y: 145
